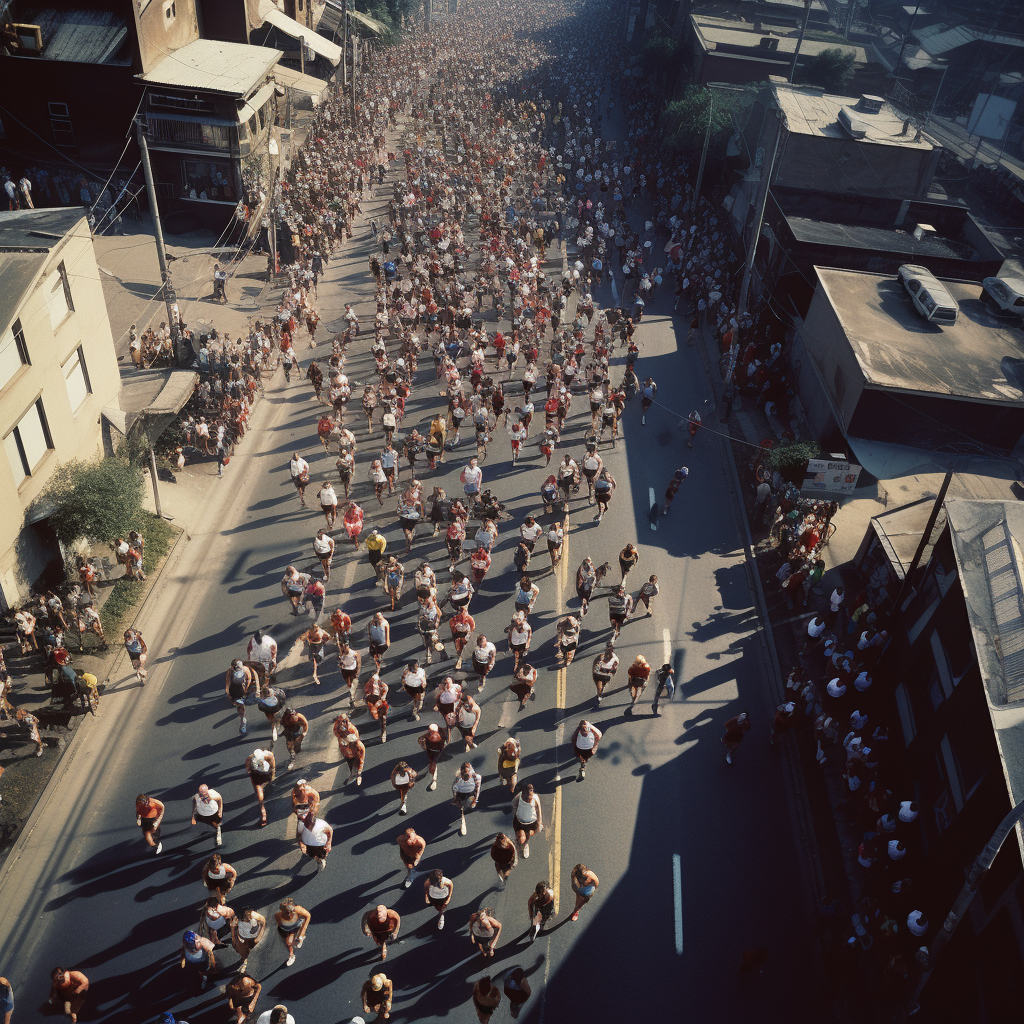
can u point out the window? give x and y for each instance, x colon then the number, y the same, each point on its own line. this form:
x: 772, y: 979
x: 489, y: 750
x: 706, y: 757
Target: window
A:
x: 57, y: 292
x: 169, y: 10
x: 180, y: 104
x: 60, y: 124
x: 76, y: 379
x: 13, y: 353
x: 28, y: 442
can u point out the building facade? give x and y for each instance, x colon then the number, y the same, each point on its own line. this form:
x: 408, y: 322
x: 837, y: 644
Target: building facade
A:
x: 58, y: 373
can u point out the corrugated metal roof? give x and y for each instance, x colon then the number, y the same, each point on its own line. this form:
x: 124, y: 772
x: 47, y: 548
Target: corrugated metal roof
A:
x: 235, y: 69
x: 938, y: 39
x: 84, y: 37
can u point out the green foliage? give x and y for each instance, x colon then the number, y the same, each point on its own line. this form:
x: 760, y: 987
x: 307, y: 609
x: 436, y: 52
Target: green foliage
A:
x: 658, y: 55
x: 832, y: 69
x: 126, y: 594
x: 95, y: 501
x: 795, y: 454
x: 684, y: 121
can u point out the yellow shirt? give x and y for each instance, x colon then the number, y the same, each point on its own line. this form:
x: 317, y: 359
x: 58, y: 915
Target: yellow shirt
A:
x: 376, y: 542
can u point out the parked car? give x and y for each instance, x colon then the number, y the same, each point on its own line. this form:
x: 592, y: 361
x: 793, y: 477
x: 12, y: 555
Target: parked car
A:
x: 1005, y: 292
x: 930, y: 297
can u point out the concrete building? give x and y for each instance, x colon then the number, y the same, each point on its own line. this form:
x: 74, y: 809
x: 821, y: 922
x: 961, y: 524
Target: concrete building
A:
x: 875, y: 371
x: 58, y: 375
x: 952, y: 688
x: 741, y: 51
x: 806, y: 229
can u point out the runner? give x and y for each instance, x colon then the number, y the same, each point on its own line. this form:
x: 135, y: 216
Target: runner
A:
x: 666, y: 685
x: 350, y: 746
x: 414, y: 682
x: 586, y: 578
x: 620, y: 604
x: 505, y: 857
x: 592, y: 466
x: 461, y: 625
x: 292, y: 922
x: 411, y: 848
x: 437, y: 893
x: 484, y: 930
x: 314, y: 837
x: 486, y: 995
x: 247, y: 929
x: 517, y: 990
x: 305, y: 800
x: 352, y: 520
x: 526, y: 595
x: 523, y: 683
x: 198, y: 952
x: 293, y: 584
x: 262, y: 654
x: 243, y: 992
x: 137, y: 650
x: 628, y: 557
x: 208, y: 809
x: 527, y: 817
x: 323, y: 548
x: 350, y: 662
x: 639, y: 673
x: 567, y: 639
x: 328, y: 505
x: 68, y: 988
x: 376, y: 994
x: 149, y: 816
x: 381, y: 925
x: 584, y: 743
x: 555, y: 537
x: 316, y: 638
x: 378, y: 630
x: 219, y: 877
x: 394, y: 579
x: 484, y: 655
x: 433, y: 743
x: 261, y: 767
x: 648, y: 592
x: 584, y: 883
x: 375, y: 695
x: 214, y: 918
x: 294, y: 725
x: 465, y: 790
x: 604, y: 488
x: 467, y: 718
x: 298, y: 470
x: 673, y: 487
x: 540, y: 907
x: 735, y: 729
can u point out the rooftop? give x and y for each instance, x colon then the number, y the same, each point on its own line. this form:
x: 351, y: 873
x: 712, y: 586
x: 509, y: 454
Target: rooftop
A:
x: 939, y: 39
x: 26, y: 238
x: 869, y: 236
x: 722, y: 32
x: 84, y: 36
x: 980, y: 358
x: 234, y: 69
x: 987, y: 540
x: 809, y: 111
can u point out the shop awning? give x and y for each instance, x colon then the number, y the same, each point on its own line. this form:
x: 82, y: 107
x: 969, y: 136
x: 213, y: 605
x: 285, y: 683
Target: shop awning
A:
x: 290, y: 27
x: 309, y: 86
x: 332, y: 16
x: 255, y: 102
x: 152, y: 398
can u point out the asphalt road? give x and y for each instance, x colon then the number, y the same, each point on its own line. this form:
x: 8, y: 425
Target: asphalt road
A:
x: 696, y: 858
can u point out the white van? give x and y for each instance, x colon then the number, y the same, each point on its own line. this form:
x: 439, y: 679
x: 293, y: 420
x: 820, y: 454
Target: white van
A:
x: 1005, y: 292
x: 929, y: 294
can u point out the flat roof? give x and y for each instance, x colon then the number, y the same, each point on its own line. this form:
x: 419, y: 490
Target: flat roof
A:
x: 234, y: 69
x: 809, y: 111
x: 869, y: 236
x: 897, y: 348
x: 721, y: 32
x: 988, y: 537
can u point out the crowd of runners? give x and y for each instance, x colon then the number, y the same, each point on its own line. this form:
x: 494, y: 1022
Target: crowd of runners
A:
x: 485, y: 138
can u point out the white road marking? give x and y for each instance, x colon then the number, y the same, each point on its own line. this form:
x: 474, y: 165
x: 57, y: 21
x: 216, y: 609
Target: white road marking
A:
x: 654, y: 505
x: 677, y: 891
x: 666, y: 646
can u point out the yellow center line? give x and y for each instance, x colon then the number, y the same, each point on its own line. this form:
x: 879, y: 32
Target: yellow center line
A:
x: 555, y: 850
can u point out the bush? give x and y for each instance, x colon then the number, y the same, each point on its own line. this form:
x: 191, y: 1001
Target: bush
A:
x: 658, y: 55
x: 785, y: 456
x: 685, y: 121
x: 94, y: 501
x: 126, y: 594
x: 832, y: 70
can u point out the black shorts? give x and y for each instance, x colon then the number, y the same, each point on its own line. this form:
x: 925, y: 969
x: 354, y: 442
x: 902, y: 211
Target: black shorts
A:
x: 519, y: 826
x: 414, y: 692
x: 316, y: 852
x: 213, y: 820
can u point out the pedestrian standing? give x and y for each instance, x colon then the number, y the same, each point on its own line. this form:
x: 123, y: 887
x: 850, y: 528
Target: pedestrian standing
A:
x: 735, y: 729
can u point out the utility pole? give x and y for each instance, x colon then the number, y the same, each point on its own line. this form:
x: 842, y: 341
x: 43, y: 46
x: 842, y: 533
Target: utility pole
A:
x: 704, y: 152
x: 161, y: 252
x: 748, y: 266
x: 927, y: 955
x: 355, y: 46
x: 344, y: 46
x: 800, y: 38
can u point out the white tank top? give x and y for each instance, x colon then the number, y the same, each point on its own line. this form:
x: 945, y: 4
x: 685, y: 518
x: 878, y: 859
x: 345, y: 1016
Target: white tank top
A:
x: 586, y: 741
x: 317, y: 836
x: 439, y: 892
x: 401, y: 779
x: 206, y: 807
x: 248, y: 929
x: 526, y: 812
x: 321, y: 545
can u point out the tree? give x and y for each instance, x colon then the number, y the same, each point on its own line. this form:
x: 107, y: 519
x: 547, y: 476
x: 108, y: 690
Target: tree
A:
x: 658, y: 56
x: 684, y: 121
x: 832, y: 69
x: 94, y: 501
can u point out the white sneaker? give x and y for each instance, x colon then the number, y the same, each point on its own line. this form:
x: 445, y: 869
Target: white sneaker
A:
x: 323, y: 863
x: 273, y: 734
x: 462, y: 827
x: 290, y: 960
x: 384, y: 736
x: 501, y: 882
x: 291, y: 765
x: 408, y: 881
x: 403, y: 809
x: 433, y: 784
x: 728, y: 758
x: 218, y: 840
x: 440, y: 922
x: 159, y: 847
x: 526, y: 850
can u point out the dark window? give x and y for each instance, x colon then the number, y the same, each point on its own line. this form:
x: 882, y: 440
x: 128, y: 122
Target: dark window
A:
x: 62, y: 270
x: 60, y: 124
